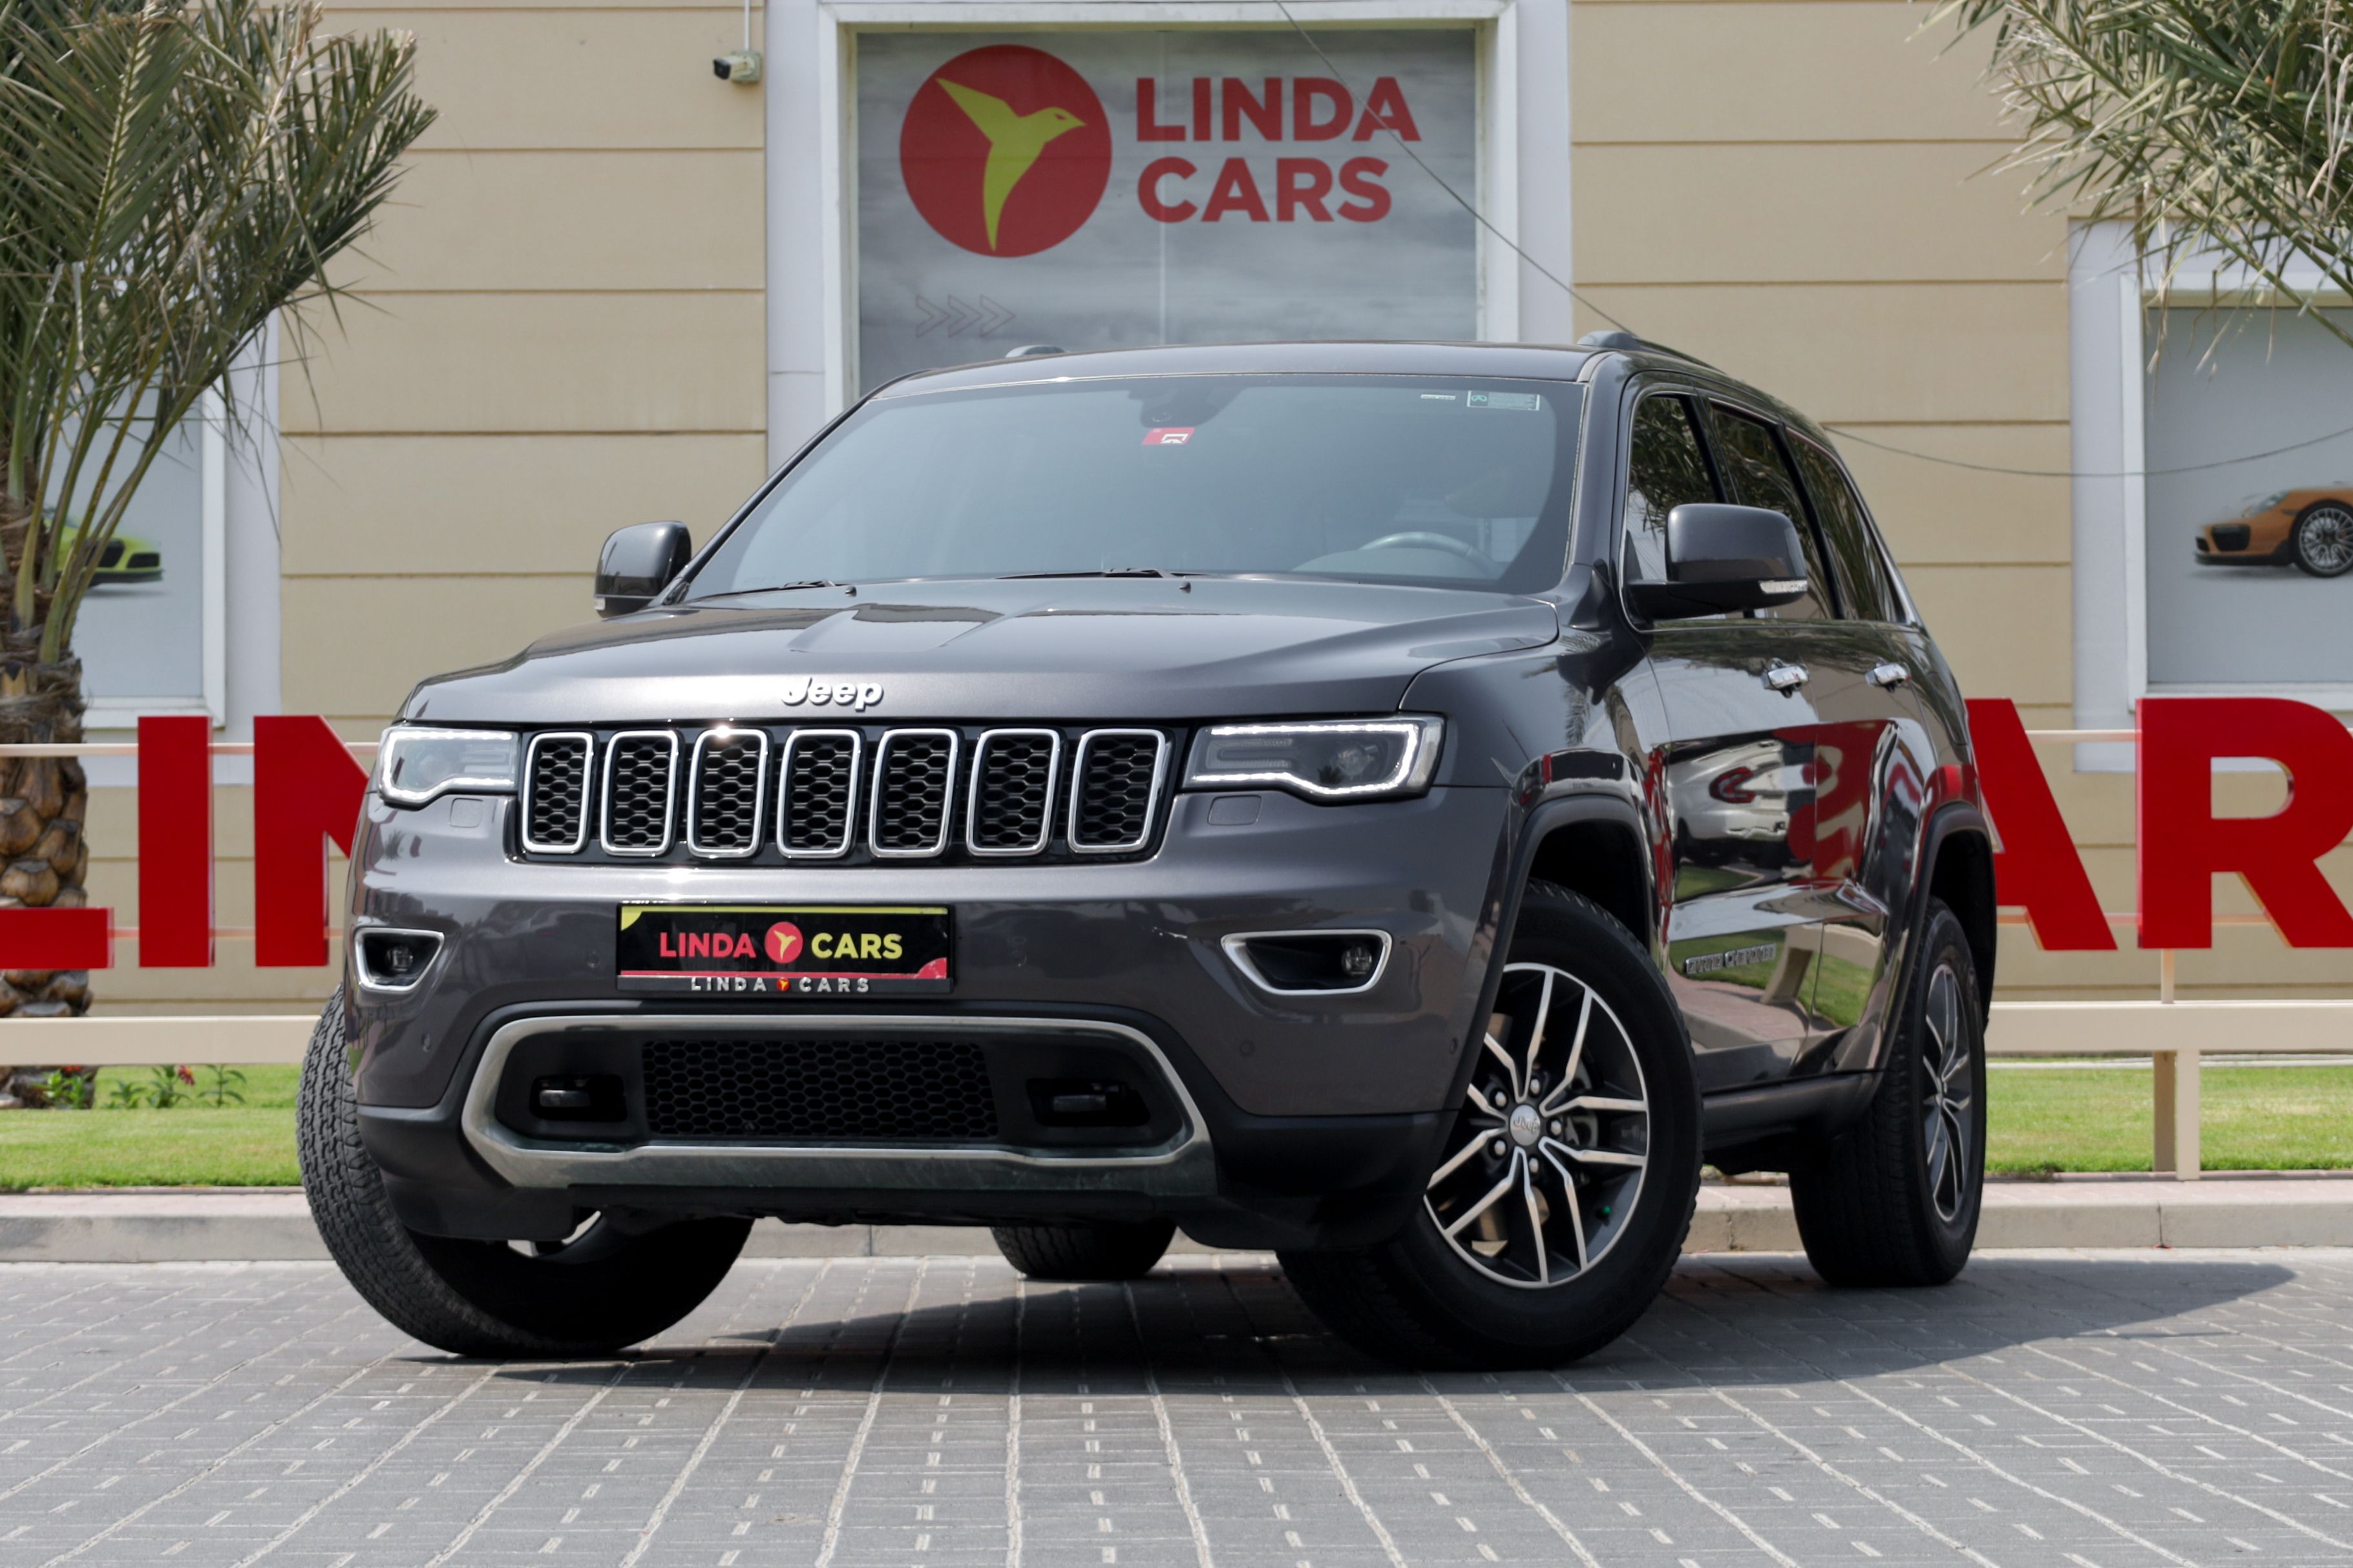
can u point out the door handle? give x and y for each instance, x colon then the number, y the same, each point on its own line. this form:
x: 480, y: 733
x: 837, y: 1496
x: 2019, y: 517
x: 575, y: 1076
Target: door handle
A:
x: 1887, y: 677
x: 1787, y: 677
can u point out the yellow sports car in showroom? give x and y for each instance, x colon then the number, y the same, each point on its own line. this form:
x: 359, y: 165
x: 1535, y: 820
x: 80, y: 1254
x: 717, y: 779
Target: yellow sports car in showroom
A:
x: 2310, y: 530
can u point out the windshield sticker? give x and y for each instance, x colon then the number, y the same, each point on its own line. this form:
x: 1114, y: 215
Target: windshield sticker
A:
x: 1525, y: 402
x: 1169, y: 436
x: 1438, y: 397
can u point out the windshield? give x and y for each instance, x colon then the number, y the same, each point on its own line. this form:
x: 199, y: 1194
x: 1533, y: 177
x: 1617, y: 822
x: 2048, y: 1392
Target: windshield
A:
x: 1369, y: 478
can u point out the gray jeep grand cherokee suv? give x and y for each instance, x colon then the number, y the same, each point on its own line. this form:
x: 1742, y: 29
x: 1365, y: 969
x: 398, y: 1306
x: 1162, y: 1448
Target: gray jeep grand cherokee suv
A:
x: 1403, y: 805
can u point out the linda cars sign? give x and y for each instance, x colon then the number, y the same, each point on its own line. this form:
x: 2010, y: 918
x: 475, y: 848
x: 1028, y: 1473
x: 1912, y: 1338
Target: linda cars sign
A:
x: 308, y: 792
x: 1116, y: 188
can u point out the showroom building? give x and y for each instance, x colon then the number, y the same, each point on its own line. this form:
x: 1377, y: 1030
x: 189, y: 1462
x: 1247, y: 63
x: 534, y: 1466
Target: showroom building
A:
x: 616, y: 286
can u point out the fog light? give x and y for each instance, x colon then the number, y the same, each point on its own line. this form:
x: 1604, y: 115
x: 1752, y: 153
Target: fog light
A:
x: 1311, y: 963
x: 394, y: 960
x: 591, y: 1098
x: 1086, y: 1102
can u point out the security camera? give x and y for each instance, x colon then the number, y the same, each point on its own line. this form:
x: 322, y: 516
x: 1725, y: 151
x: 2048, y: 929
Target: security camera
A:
x: 741, y: 67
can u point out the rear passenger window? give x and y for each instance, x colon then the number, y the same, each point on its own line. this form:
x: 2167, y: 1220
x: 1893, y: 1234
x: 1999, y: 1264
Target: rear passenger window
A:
x: 1760, y: 475
x: 1668, y: 468
x: 1862, y: 569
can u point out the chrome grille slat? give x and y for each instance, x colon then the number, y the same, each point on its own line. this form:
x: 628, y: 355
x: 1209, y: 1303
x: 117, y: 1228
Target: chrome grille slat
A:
x: 914, y: 783
x: 640, y: 785
x: 816, y: 806
x: 727, y: 793
x: 1009, y: 803
x: 555, y: 788
x: 1116, y: 777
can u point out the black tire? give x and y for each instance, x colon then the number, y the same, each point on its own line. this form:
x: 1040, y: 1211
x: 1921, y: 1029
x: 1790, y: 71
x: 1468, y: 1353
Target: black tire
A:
x: 2321, y: 543
x: 1085, y: 1251
x: 608, y: 1285
x: 1882, y: 1207
x: 1425, y: 1300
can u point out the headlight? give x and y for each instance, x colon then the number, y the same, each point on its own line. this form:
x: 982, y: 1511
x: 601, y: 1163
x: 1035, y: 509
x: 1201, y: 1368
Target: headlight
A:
x: 418, y: 764
x: 1328, y: 759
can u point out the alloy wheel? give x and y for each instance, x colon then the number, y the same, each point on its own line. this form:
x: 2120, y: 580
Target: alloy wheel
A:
x: 1950, y: 1093
x: 1547, y: 1157
x: 2323, y: 536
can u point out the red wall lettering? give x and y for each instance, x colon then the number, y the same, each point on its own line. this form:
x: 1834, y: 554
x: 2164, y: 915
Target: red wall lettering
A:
x: 1360, y: 177
x: 1147, y: 114
x: 1148, y: 189
x: 1235, y: 192
x: 2037, y: 865
x: 58, y: 939
x: 175, y: 843
x: 1300, y: 185
x: 1265, y: 113
x: 1306, y: 124
x: 2183, y: 843
x: 1385, y: 110
x: 306, y: 789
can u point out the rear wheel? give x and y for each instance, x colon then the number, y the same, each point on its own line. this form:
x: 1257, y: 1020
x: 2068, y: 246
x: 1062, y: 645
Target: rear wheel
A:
x: 2323, y: 541
x: 1895, y: 1199
x: 1109, y: 1251
x: 611, y: 1283
x: 1567, y: 1186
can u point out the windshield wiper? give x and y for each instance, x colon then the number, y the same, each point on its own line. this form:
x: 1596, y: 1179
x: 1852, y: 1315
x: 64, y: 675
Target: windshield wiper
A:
x: 786, y: 587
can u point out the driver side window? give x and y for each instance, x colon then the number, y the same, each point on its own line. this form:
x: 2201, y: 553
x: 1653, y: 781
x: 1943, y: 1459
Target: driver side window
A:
x: 1668, y: 467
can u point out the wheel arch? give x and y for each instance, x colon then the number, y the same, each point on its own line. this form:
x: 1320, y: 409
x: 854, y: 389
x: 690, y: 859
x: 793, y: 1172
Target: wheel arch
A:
x: 1958, y: 856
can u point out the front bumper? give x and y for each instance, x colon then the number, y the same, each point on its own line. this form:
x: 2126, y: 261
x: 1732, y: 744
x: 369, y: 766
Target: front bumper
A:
x: 1278, y: 1119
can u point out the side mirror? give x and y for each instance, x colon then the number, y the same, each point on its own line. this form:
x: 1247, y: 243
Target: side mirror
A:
x: 1724, y: 558
x: 638, y: 562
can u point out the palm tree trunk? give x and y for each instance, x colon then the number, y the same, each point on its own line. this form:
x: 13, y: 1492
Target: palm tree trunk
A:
x: 44, y: 803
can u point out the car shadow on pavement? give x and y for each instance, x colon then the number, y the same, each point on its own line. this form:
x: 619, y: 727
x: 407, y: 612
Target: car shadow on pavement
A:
x: 1233, y: 1324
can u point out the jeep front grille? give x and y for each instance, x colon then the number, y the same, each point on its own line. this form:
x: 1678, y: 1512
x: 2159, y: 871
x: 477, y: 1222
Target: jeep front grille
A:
x: 844, y: 795
x: 898, y: 1091
x: 557, y: 782
x: 640, y: 775
x: 730, y: 792
x: 1119, y: 777
x: 914, y: 772
x: 818, y: 811
x: 1010, y: 806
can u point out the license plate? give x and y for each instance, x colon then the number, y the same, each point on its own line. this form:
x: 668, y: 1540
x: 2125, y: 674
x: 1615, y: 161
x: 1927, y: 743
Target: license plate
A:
x: 784, y: 949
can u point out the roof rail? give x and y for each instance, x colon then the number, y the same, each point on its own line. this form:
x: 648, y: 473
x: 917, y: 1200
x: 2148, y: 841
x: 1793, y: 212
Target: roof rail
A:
x: 1627, y: 343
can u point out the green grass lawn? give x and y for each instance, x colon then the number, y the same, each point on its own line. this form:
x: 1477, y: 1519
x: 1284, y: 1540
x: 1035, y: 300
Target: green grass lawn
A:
x: 2100, y: 1119
x: 250, y: 1145
x: 2072, y: 1119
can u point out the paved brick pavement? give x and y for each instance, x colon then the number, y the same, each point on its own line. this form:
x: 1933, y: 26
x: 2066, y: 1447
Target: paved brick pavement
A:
x: 2060, y: 1408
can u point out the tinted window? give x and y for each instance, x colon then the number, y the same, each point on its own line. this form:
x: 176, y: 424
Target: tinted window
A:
x: 1862, y: 572
x: 1760, y: 475
x: 1438, y: 481
x: 1668, y: 468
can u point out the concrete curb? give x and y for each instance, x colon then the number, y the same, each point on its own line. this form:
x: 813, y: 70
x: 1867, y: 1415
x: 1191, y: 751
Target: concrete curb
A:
x: 273, y: 1225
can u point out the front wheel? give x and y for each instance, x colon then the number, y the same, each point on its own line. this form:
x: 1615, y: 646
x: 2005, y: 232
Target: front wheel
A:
x: 611, y: 1283
x: 1894, y: 1200
x: 2322, y: 545
x: 1103, y: 1251
x: 1566, y: 1187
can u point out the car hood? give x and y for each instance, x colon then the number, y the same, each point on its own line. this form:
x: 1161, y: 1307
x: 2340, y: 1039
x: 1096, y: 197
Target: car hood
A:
x: 1064, y: 648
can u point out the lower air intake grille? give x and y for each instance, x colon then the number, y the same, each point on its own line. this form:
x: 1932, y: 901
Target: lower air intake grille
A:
x: 898, y: 1091
x: 1115, y: 783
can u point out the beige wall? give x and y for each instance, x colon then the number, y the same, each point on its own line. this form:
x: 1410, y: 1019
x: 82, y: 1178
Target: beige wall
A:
x: 559, y: 331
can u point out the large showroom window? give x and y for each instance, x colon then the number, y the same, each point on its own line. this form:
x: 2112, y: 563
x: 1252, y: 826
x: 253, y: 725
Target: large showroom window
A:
x: 2213, y: 502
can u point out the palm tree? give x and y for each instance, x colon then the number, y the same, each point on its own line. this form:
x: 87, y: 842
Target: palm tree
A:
x: 177, y: 173
x: 2210, y: 126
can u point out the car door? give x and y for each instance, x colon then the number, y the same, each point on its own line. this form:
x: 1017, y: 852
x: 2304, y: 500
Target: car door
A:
x: 1733, y: 781
x: 1872, y: 758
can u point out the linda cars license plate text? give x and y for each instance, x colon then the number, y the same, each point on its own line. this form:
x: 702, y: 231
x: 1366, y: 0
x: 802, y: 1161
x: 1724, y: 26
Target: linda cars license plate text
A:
x: 784, y: 949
